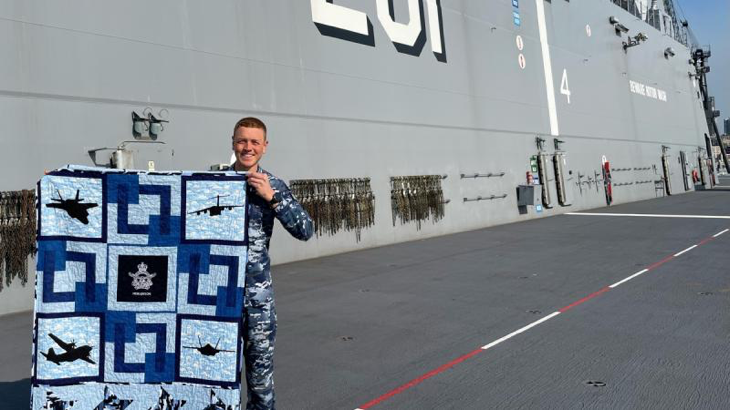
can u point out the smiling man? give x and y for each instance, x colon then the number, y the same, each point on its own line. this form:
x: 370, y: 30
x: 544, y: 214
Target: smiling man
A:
x: 268, y: 198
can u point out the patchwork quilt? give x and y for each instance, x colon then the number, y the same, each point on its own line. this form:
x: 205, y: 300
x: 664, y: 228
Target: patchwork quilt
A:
x: 139, y: 290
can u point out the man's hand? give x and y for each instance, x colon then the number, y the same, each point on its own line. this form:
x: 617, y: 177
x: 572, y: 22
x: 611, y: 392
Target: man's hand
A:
x: 260, y: 182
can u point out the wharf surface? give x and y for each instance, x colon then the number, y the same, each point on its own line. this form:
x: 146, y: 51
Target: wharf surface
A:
x: 531, y: 315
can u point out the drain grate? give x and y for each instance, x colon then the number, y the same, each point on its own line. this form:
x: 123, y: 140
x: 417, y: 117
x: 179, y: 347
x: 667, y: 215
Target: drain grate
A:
x: 705, y: 293
x: 595, y: 383
x: 347, y: 338
x: 534, y: 312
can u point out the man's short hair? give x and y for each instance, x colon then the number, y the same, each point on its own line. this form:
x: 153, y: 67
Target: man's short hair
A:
x: 250, y: 122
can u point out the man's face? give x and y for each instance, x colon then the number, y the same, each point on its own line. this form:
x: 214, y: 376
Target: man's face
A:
x: 249, y: 145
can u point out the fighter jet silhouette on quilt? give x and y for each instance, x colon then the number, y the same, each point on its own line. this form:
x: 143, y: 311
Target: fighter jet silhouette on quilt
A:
x: 208, y: 350
x: 73, y: 207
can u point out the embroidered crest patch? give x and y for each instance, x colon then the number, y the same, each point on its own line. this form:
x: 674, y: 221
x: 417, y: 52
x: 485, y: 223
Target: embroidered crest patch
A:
x: 143, y: 278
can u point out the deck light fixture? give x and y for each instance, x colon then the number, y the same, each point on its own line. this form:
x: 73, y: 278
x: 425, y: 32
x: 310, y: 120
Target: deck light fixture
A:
x: 620, y: 28
x: 156, y: 124
x: 140, y: 124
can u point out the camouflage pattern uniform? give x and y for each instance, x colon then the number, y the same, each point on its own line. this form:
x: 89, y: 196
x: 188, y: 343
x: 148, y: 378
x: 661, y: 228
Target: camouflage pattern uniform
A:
x: 259, y: 315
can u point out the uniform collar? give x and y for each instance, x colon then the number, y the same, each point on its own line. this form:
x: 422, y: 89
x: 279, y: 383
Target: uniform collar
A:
x: 258, y: 168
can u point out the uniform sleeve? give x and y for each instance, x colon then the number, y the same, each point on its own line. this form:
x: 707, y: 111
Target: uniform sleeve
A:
x: 292, y: 215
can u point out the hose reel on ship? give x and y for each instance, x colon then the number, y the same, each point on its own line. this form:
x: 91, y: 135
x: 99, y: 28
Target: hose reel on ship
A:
x: 665, y: 169
x: 543, y: 159
x: 557, y: 161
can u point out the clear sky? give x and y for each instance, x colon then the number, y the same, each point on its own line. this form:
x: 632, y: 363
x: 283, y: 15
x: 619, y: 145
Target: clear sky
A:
x: 710, y: 22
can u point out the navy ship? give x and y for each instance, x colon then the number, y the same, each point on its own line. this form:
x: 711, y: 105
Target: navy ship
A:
x: 511, y: 110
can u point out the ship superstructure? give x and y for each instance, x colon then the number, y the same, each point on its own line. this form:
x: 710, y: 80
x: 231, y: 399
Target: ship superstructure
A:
x: 576, y: 94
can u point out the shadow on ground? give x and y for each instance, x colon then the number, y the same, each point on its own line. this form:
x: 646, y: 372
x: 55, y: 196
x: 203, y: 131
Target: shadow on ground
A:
x: 15, y: 395
x: 715, y: 189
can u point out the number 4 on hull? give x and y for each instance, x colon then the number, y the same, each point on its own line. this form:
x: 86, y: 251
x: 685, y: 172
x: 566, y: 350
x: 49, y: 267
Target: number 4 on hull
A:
x: 564, y: 86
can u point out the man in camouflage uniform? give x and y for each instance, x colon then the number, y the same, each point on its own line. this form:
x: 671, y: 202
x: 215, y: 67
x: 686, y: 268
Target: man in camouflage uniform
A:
x: 268, y: 198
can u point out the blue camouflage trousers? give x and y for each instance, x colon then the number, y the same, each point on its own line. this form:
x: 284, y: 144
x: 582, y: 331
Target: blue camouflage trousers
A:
x: 259, y: 327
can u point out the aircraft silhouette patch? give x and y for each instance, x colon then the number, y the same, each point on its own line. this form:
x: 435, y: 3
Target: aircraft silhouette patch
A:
x: 208, y: 350
x: 139, y: 290
x: 214, y: 211
x: 217, y: 209
x: 71, y: 352
x: 75, y: 208
x: 72, y: 207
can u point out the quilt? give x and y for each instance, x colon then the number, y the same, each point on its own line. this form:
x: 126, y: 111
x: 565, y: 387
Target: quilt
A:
x: 139, y: 290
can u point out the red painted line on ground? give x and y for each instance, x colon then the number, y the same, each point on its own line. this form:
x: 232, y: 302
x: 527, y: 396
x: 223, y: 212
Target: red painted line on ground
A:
x: 661, y: 262
x: 585, y: 299
x: 704, y: 241
x: 460, y: 359
x: 418, y: 380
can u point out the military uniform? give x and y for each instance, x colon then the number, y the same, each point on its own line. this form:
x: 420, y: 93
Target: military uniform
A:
x: 259, y: 315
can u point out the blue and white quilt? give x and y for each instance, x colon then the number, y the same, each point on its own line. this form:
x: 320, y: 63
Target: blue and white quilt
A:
x: 139, y: 290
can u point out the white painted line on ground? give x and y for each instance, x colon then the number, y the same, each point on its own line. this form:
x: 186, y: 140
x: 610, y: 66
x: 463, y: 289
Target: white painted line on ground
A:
x: 651, y: 215
x: 629, y: 278
x: 462, y: 358
x: 685, y: 251
x: 517, y: 332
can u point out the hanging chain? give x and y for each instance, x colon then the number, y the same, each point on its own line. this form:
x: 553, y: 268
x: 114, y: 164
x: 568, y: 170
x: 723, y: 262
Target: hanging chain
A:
x: 17, y: 234
x: 417, y: 198
x: 337, y: 204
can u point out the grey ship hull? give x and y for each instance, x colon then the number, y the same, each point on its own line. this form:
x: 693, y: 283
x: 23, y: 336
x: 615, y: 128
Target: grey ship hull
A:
x: 340, y: 105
